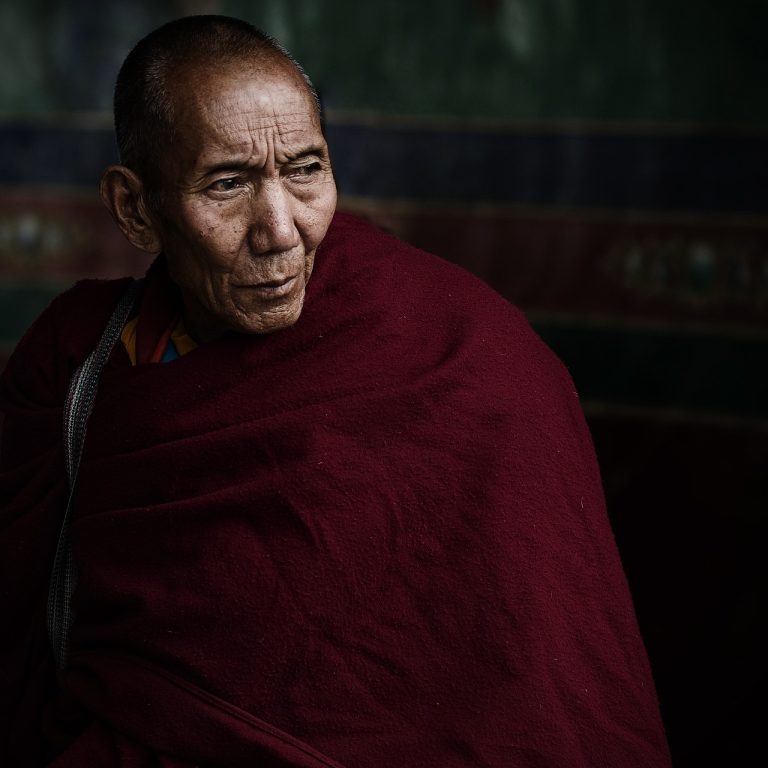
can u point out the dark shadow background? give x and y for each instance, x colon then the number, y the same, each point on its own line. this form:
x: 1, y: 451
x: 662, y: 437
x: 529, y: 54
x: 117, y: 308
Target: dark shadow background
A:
x: 602, y: 163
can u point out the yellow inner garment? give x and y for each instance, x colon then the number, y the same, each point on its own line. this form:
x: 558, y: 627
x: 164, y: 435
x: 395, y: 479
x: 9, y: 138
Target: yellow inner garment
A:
x: 179, y: 338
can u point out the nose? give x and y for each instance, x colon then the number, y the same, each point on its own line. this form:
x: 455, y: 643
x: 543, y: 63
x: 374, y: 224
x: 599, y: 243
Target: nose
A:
x: 272, y: 227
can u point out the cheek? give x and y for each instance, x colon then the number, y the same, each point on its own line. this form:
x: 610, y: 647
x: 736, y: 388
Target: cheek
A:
x: 318, y: 215
x: 209, y: 224
x: 216, y: 240
x: 201, y: 259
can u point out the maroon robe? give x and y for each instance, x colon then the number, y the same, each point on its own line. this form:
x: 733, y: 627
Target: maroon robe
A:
x: 374, y: 539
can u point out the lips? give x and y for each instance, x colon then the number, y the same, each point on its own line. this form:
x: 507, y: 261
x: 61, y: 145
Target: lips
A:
x: 274, y: 283
x: 272, y: 289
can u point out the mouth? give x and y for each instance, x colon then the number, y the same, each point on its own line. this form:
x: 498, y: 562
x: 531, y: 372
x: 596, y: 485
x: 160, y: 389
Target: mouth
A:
x: 273, y: 289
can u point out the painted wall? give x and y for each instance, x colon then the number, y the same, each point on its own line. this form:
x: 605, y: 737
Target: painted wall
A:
x: 604, y: 164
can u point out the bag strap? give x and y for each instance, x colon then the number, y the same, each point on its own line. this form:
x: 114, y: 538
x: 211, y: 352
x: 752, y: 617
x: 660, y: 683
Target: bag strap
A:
x: 77, y: 409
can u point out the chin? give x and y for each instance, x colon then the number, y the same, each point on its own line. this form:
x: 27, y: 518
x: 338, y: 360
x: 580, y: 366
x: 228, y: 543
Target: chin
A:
x: 272, y: 322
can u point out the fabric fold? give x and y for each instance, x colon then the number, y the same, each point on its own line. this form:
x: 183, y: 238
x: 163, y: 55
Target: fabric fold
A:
x: 375, y: 537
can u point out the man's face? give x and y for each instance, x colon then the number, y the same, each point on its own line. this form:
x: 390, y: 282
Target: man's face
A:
x: 247, y: 197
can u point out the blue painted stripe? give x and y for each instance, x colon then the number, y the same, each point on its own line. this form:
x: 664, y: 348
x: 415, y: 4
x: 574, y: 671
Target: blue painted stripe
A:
x: 581, y: 170
x: 707, y: 173
x: 47, y: 154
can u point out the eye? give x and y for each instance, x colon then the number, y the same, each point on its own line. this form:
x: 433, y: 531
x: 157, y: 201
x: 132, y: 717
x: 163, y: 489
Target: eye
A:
x: 225, y: 185
x: 305, y: 171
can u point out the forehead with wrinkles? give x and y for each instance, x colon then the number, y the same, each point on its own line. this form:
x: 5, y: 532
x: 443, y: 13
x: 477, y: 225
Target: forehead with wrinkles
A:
x: 240, y: 84
x: 219, y: 109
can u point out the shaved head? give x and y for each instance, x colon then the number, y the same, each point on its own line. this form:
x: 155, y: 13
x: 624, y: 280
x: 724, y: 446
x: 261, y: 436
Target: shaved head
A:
x: 144, y: 102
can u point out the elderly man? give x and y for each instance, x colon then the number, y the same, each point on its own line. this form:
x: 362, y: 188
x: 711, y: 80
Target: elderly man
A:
x: 337, y: 505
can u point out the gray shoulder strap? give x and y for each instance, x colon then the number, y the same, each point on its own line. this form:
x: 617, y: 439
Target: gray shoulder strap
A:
x: 77, y: 409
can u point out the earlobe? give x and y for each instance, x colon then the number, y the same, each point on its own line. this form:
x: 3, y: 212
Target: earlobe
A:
x: 122, y: 191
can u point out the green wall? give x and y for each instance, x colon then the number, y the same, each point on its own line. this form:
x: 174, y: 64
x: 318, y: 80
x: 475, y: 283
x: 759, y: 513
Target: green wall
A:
x: 592, y: 60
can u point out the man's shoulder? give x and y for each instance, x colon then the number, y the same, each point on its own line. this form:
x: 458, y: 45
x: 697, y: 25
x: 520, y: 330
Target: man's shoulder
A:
x: 413, y: 272
x: 434, y: 317
x: 438, y: 311
x: 62, y: 335
x: 428, y: 286
x: 78, y: 315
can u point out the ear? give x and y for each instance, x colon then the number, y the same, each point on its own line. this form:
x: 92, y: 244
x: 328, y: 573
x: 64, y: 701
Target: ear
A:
x: 122, y: 191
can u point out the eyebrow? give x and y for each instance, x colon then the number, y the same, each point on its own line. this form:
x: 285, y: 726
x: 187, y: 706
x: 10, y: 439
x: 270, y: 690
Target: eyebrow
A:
x: 230, y: 165
x: 320, y: 150
x: 225, y: 165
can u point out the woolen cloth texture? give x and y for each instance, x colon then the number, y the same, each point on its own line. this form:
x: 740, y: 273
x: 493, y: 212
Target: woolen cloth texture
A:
x: 375, y: 538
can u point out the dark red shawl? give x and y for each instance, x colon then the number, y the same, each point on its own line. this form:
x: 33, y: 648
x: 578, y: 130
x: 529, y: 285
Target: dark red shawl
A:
x: 376, y: 538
